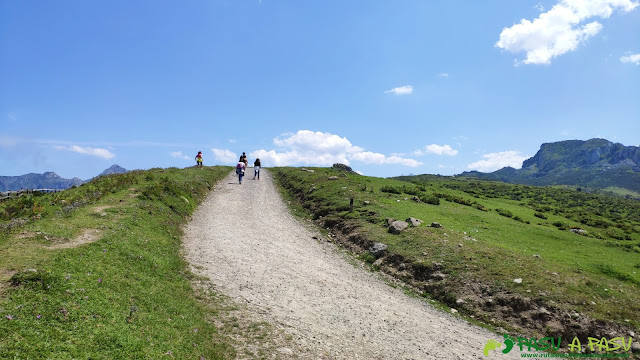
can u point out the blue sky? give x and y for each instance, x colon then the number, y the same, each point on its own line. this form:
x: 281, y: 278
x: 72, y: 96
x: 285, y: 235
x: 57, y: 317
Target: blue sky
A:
x: 389, y: 87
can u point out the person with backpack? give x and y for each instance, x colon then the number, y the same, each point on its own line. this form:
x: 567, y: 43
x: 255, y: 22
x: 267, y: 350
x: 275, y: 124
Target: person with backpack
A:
x: 199, y: 160
x: 256, y: 169
x: 240, y: 171
x: 243, y: 158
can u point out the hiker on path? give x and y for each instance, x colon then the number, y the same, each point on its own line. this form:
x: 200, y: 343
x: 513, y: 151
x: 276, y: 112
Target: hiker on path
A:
x: 240, y: 171
x: 256, y: 169
x: 199, y: 160
x: 243, y: 159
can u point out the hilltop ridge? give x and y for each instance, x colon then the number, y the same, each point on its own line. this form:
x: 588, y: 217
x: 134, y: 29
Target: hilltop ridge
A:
x: 49, y: 180
x: 596, y: 163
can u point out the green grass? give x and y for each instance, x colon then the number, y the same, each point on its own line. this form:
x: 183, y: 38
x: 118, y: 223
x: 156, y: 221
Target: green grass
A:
x: 622, y: 191
x: 128, y: 294
x: 492, y: 236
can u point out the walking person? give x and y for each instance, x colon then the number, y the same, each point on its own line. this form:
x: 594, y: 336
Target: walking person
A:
x: 244, y: 159
x: 240, y: 171
x: 199, y: 160
x: 256, y: 169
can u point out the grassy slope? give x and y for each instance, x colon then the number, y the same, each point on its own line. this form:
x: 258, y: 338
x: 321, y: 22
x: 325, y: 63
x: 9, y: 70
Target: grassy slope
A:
x: 573, y: 282
x: 126, y: 295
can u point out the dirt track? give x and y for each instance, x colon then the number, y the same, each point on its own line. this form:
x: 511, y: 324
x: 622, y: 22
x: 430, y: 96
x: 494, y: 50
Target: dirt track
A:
x: 245, y: 240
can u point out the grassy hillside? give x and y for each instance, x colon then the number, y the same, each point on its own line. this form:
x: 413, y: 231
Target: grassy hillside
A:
x: 96, y: 271
x: 581, y: 282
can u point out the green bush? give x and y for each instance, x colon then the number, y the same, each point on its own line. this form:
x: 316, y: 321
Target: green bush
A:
x: 540, y: 215
x: 506, y: 213
x: 430, y: 199
x: 390, y: 189
x: 411, y: 191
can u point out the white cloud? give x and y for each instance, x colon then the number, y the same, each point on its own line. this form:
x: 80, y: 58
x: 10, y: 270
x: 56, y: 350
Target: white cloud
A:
x: 634, y: 59
x: 99, y: 152
x: 495, y: 161
x: 369, y: 157
x: 402, y: 90
x: 179, y: 155
x: 232, y: 141
x: 323, y: 149
x: 226, y: 156
x: 444, y: 75
x: 440, y: 150
x: 559, y: 30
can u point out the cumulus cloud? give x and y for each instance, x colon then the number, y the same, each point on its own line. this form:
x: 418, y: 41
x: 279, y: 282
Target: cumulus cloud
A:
x: 440, y: 150
x: 633, y: 59
x: 323, y: 149
x: 495, y: 161
x: 402, y: 90
x: 179, y: 155
x: 444, y: 75
x: 99, y: 152
x: 559, y: 30
x: 369, y: 157
x: 226, y: 156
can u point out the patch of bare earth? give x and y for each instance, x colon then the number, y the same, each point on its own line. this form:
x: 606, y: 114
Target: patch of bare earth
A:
x: 102, y: 208
x: 88, y: 236
x: 26, y: 235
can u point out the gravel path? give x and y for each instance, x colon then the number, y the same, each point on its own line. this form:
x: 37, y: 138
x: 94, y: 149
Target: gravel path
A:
x: 245, y: 240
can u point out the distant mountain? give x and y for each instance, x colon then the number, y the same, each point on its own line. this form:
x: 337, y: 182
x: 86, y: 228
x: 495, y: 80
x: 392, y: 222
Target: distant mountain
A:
x: 48, y: 180
x: 114, y: 169
x: 596, y: 163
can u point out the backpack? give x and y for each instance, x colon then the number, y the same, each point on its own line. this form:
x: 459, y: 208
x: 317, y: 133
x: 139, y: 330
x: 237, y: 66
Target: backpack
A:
x: 239, y: 168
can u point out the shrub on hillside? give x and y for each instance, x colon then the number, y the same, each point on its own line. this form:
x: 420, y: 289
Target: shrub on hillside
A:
x: 390, y: 189
x: 540, y: 215
x: 430, y: 199
x: 506, y: 213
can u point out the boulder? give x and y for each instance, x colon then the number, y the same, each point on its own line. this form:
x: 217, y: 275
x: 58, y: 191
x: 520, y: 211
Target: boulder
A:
x: 579, y: 231
x: 343, y: 167
x: 390, y: 221
x: 398, y: 226
x: 436, y: 225
x: 378, y: 249
x: 333, y: 178
x: 414, y: 222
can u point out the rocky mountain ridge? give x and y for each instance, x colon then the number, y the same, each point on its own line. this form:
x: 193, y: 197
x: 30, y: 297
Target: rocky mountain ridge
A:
x: 48, y: 180
x: 596, y: 163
